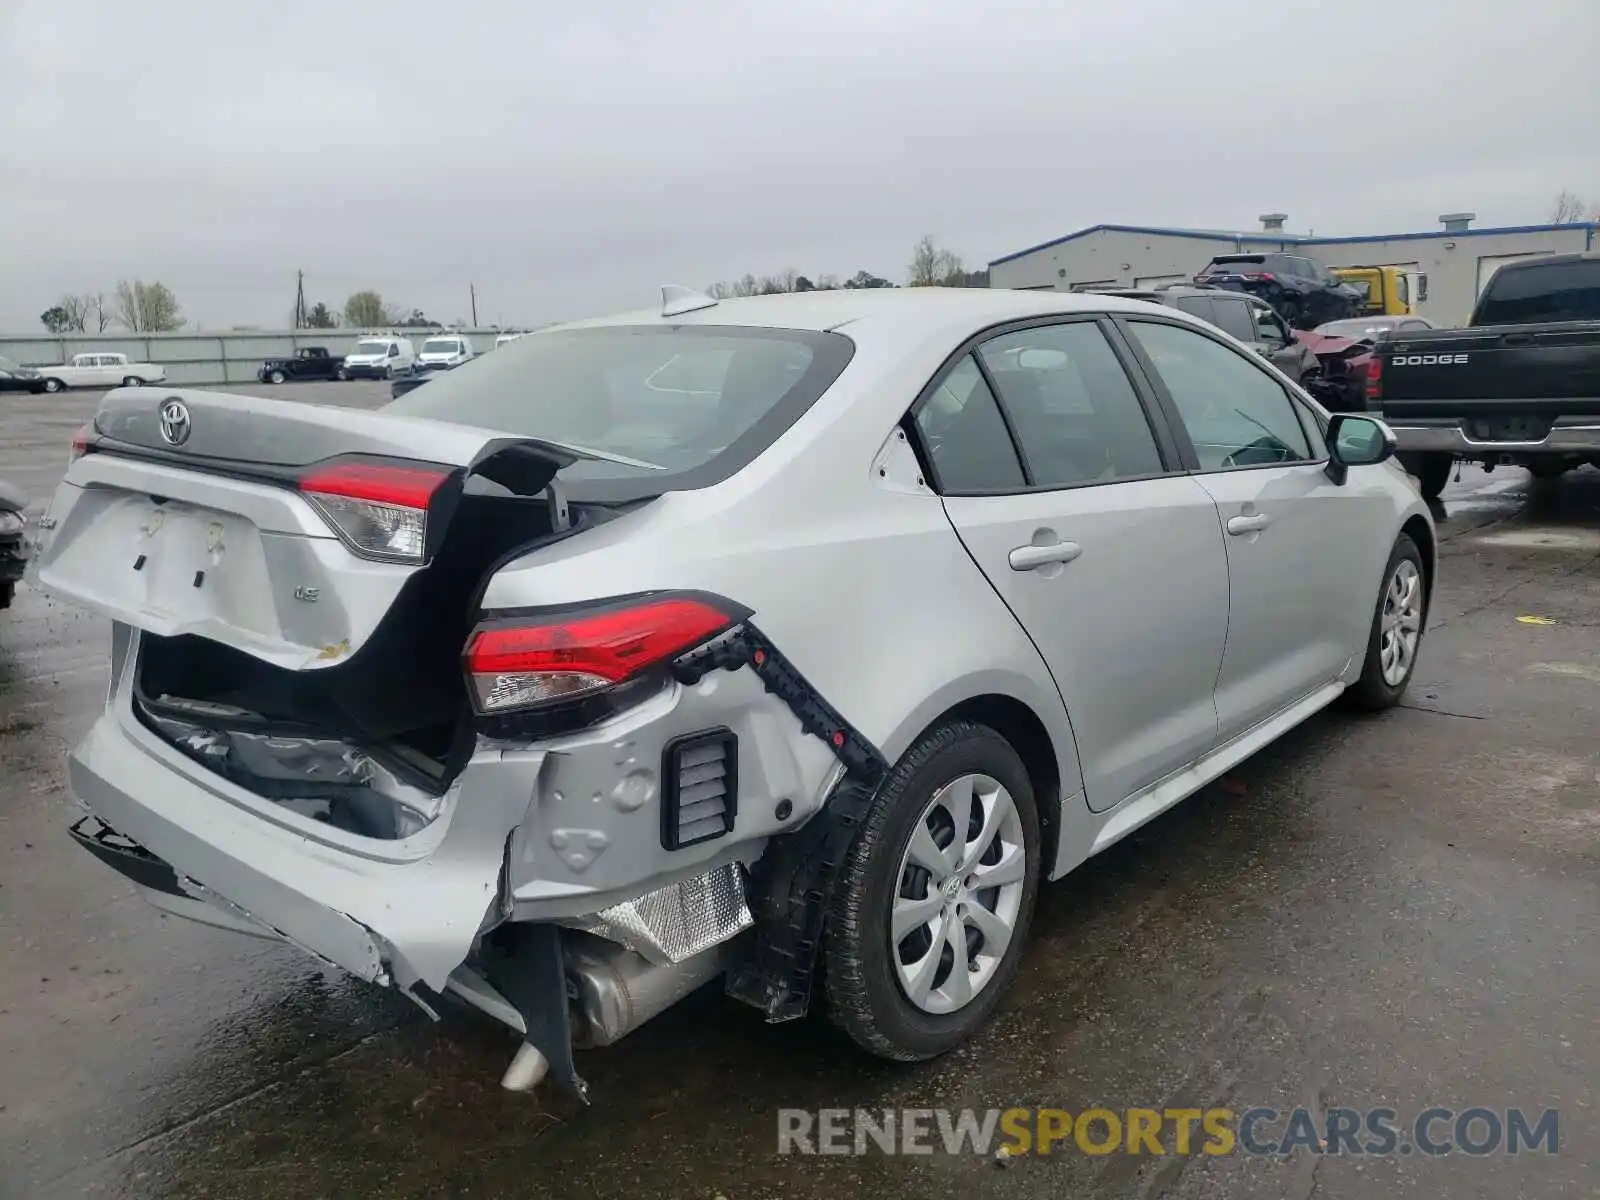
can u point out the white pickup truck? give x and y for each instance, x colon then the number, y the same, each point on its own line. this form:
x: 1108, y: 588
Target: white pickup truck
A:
x: 101, y: 370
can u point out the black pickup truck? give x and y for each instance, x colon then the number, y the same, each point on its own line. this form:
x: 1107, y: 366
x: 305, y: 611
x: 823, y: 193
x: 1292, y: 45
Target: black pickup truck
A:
x: 1520, y: 385
x: 309, y: 362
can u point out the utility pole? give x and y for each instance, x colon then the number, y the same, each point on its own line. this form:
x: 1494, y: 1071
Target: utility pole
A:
x: 473, y: 288
x: 300, y: 314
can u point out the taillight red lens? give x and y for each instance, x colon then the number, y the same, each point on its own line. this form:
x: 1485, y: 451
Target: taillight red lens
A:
x: 80, y: 444
x: 517, y: 666
x: 380, y: 509
x: 1374, y: 378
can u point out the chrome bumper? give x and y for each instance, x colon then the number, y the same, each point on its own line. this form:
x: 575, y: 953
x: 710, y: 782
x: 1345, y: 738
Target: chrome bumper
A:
x: 1578, y: 440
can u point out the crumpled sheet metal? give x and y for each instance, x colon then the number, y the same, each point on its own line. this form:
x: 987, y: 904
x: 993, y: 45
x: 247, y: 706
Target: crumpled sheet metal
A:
x: 678, y: 921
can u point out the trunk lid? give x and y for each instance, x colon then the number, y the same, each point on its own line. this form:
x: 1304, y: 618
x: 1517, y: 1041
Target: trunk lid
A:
x: 1551, y: 370
x: 188, y: 518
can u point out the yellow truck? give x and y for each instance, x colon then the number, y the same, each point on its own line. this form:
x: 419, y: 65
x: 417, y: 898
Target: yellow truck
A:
x: 1386, y: 291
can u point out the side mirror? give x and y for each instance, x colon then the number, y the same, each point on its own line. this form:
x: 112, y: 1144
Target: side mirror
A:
x: 1356, y: 441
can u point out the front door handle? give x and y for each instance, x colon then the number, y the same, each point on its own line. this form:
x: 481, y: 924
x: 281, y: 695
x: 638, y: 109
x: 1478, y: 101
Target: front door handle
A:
x: 1254, y: 523
x: 1030, y: 558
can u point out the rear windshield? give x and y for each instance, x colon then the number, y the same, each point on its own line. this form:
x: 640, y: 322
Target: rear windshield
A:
x: 686, y: 406
x: 1248, y: 262
x: 1358, y: 328
x: 1568, y: 291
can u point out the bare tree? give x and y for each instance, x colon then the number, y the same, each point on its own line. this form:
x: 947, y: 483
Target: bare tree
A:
x: 933, y: 266
x: 1568, y: 207
x: 366, y: 310
x: 147, y: 307
x: 101, y: 310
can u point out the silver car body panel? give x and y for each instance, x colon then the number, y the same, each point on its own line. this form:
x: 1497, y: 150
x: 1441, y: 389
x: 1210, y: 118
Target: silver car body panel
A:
x: 852, y: 566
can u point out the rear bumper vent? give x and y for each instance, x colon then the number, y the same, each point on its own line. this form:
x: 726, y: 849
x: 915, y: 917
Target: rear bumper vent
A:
x: 699, y: 787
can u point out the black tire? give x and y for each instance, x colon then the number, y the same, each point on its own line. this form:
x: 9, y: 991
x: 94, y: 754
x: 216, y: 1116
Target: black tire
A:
x: 1549, y: 470
x: 275, y: 377
x: 8, y: 593
x: 54, y: 385
x: 342, y: 375
x: 1372, y: 691
x: 133, y: 381
x: 1432, y: 471
x: 863, y: 995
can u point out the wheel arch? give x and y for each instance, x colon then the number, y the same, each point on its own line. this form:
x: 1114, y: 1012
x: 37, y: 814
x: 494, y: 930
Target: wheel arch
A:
x: 1421, y: 531
x: 1052, y: 765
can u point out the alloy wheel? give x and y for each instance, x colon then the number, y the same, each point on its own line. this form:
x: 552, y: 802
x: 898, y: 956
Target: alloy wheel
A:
x: 1400, y: 627
x: 958, y: 894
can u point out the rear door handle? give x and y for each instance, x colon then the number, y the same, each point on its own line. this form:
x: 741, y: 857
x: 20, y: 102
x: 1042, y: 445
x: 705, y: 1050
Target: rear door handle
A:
x: 1029, y: 558
x: 1251, y: 524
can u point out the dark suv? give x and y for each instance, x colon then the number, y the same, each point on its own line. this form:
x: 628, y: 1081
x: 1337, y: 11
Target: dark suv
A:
x: 1303, y: 290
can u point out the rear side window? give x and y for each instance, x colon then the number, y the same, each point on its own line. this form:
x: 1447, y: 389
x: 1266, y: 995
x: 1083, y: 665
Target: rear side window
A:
x: 679, y: 406
x: 1233, y: 318
x: 965, y: 435
x: 1236, y: 414
x: 1566, y: 291
x: 1071, y: 405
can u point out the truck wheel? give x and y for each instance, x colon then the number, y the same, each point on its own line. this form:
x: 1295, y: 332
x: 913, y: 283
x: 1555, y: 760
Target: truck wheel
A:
x: 931, y: 908
x: 133, y: 381
x: 275, y: 377
x: 343, y: 375
x: 8, y: 593
x: 54, y: 385
x: 1396, y: 632
x: 1432, y: 471
x: 1548, y: 470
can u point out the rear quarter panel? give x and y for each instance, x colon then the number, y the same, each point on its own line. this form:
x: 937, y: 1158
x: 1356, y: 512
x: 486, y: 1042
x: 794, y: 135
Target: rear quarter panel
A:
x: 857, y: 577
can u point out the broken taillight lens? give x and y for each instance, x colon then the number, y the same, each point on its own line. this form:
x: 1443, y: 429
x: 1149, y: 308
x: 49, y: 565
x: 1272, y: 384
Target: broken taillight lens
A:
x: 379, y: 508
x: 522, y: 664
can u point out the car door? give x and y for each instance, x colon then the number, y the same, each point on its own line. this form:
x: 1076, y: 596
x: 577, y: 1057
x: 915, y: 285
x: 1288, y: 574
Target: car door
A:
x: 101, y: 369
x: 1280, y: 347
x: 1104, y: 550
x: 1303, y: 562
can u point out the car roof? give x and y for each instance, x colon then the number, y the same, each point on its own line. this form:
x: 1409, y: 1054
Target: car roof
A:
x: 1544, y: 260
x: 927, y: 309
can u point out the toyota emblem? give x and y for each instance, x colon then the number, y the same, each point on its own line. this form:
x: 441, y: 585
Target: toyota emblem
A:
x: 175, y: 423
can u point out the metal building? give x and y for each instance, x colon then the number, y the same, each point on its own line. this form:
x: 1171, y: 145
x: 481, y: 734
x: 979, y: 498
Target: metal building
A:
x: 1457, y: 259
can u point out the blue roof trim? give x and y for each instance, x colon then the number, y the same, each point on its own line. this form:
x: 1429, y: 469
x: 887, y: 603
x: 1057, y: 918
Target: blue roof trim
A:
x: 1258, y: 239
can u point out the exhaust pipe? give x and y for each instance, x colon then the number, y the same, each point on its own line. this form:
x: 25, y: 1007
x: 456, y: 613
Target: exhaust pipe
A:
x: 616, y: 990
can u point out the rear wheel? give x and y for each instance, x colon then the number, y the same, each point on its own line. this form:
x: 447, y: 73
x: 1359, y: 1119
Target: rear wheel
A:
x: 1397, y: 628
x: 1432, y: 471
x: 8, y: 593
x: 1549, y: 470
x: 933, y: 901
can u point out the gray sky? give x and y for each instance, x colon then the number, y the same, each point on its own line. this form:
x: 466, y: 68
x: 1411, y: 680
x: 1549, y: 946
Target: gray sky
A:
x: 568, y: 163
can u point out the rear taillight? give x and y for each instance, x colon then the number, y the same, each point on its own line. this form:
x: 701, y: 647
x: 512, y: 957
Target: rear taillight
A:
x: 1263, y: 277
x: 379, y: 508
x: 1374, y: 379
x: 81, y: 444
x: 521, y: 664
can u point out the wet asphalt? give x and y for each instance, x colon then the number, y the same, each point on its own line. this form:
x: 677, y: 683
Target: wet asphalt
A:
x: 1397, y: 911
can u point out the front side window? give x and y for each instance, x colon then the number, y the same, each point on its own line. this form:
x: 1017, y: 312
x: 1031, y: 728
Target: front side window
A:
x: 1236, y: 414
x: 965, y: 435
x: 1268, y: 326
x: 1076, y: 415
x: 1196, y: 306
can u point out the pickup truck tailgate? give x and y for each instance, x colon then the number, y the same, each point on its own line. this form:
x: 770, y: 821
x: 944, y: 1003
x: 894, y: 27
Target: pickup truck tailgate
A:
x: 1547, y: 370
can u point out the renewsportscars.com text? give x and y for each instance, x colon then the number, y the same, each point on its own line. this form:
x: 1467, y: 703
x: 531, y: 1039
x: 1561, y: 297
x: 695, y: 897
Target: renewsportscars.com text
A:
x: 1264, y: 1132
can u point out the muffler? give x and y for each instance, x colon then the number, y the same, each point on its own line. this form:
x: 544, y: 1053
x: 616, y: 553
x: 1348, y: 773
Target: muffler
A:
x: 615, y: 990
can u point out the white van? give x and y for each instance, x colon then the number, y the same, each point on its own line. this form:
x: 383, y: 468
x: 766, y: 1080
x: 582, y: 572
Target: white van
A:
x: 380, y: 356
x: 504, y: 338
x: 443, y: 351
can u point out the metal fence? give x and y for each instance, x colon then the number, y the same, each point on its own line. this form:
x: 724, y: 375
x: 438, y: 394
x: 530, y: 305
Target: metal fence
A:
x: 194, y: 358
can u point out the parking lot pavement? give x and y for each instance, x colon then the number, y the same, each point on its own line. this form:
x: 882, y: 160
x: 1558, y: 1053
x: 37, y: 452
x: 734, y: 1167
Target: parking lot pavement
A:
x: 1398, y: 911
